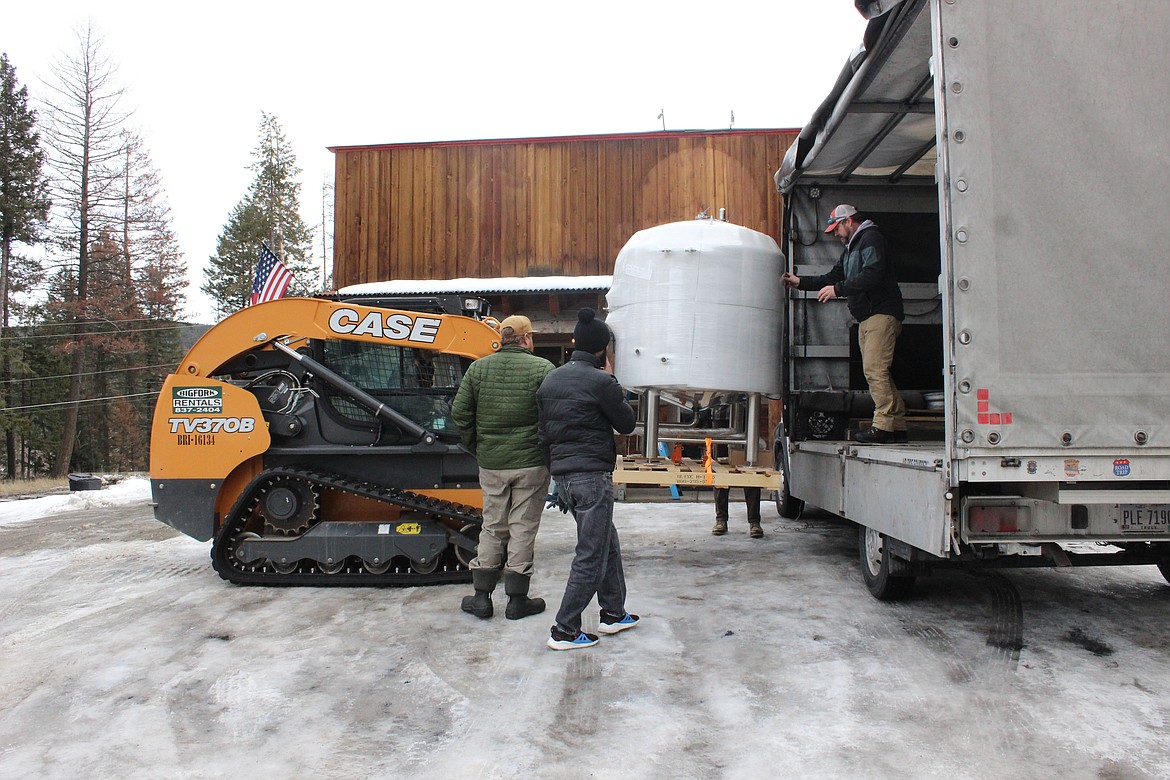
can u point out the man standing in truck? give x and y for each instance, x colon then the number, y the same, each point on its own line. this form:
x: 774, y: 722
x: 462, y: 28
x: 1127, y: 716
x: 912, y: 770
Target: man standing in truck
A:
x: 865, y: 275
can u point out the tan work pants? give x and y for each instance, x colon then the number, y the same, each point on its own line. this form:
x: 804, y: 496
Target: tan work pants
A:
x: 513, y: 500
x: 876, y: 337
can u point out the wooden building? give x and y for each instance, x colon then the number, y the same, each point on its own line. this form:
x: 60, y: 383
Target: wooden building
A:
x: 476, y: 211
x: 539, y: 206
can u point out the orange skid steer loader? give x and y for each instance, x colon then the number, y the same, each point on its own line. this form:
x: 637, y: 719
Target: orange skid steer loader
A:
x: 311, y: 439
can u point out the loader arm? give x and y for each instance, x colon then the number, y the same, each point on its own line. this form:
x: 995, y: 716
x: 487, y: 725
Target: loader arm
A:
x: 295, y: 320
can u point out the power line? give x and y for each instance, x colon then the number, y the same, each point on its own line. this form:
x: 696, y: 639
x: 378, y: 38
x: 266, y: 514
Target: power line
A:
x: 106, y: 320
x: 85, y: 373
x: 78, y: 401
x: 88, y: 333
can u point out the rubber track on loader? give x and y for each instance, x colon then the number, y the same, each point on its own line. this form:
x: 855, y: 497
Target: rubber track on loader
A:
x: 353, y: 574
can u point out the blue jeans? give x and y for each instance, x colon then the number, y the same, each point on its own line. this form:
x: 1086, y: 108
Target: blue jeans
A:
x: 597, y: 564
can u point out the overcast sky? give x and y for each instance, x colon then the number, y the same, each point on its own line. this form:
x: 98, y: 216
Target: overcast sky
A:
x: 344, y: 73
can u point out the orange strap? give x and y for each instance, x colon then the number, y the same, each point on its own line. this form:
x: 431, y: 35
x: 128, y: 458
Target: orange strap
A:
x: 707, y: 463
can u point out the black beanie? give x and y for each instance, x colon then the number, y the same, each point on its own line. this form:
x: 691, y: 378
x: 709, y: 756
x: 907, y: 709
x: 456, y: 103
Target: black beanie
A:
x: 591, y: 334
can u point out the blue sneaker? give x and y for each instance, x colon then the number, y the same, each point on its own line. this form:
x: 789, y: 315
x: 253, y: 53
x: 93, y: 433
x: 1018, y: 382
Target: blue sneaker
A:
x: 560, y: 640
x: 611, y: 623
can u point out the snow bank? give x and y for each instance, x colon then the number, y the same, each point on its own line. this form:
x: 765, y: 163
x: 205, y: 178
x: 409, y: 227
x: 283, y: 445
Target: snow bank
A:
x: 135, y: 490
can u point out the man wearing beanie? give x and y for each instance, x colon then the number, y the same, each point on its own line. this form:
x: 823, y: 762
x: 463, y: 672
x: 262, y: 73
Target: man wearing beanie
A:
x: 495, y: 410
x: 580, y: 406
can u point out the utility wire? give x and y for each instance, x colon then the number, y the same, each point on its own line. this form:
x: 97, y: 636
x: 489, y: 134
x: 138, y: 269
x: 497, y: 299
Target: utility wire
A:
x: 78, y: 401
x: 85, y: 373
x: 88, y: 333
x: 106, y: 320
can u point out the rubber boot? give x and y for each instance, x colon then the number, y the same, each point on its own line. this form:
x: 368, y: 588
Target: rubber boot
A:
x: 519, y: 605
x: 484, y: 581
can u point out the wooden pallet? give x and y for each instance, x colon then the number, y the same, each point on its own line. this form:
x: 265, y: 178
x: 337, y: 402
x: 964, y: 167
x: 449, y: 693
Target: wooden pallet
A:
x: 665, y: 472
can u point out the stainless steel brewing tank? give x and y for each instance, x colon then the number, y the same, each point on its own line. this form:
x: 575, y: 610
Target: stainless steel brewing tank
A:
x: 696, y: 305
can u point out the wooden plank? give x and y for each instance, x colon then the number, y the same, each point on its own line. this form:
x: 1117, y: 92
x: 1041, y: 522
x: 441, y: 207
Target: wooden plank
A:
x: 400, y: 175
x: 453, y: 162
x: 526, y: 215
x: 592, y: 261
x: 417, y: 215
x: 541, y: 189
x: 471, y: 244
x: 343, y: 213
x: 574, y: 224
x: 379, y: 263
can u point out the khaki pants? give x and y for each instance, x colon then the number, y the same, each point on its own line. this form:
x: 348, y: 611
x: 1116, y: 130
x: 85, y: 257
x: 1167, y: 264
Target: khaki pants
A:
x: 513, y: 500
x: 876, y: 337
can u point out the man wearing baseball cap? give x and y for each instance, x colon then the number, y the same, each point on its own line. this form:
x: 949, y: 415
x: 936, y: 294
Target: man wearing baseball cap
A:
x: 865, y: 275
x: 495, y: 409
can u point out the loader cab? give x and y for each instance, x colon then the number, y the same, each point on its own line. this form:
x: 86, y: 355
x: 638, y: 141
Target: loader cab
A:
x: 418, y: 383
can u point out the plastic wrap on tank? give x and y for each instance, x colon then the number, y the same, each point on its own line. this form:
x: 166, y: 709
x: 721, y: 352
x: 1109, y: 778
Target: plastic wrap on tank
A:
x: 697, y: 305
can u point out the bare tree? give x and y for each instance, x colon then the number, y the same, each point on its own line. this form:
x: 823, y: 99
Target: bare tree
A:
x: 86, y: 146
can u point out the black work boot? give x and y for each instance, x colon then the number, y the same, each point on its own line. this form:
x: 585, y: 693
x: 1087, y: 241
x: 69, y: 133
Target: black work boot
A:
x: 519, y: 605
x: 484, y: 581
x: 751, y: 497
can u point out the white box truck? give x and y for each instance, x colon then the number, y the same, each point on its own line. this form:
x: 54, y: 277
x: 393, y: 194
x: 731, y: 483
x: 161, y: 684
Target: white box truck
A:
x: 1016, y: 156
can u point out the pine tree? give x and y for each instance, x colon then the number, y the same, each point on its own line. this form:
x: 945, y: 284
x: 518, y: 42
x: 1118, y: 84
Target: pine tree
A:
x: 156, y: 274
x: 231, y: 268
x: 24, y: 207
x: 270, y: 212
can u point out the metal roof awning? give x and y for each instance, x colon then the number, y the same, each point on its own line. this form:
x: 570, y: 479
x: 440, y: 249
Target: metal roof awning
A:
x: 513, y: 285
x: 877, y: 124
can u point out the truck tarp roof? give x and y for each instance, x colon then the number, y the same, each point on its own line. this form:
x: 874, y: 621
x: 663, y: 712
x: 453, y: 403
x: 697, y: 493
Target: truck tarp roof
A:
x: 878, y: 120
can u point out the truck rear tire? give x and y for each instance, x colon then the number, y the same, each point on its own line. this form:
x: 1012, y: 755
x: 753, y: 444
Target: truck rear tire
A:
x: 1164, y: 567
x: 786, y: 505
x: 882, y: 572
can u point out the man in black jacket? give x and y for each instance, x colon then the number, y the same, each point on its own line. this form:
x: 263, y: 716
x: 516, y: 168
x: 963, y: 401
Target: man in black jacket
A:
x: 580, y: 405
x: 865, y: 276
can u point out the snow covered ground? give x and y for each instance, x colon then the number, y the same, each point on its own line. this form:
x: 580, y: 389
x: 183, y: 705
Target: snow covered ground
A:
x: 122, y: 654
x: 131, y: 491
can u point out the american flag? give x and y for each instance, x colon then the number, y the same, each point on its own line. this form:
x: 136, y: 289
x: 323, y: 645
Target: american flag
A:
x: 272, y: 278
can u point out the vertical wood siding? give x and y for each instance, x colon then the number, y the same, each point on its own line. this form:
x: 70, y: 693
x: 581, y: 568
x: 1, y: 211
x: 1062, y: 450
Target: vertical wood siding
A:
x: 536, y: 207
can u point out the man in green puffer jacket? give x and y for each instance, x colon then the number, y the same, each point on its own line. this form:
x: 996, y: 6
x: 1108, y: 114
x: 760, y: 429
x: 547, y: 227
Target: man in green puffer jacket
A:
x: 495, y: 410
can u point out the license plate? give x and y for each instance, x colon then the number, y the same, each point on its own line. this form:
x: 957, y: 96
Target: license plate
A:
x: 1145, y: 518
